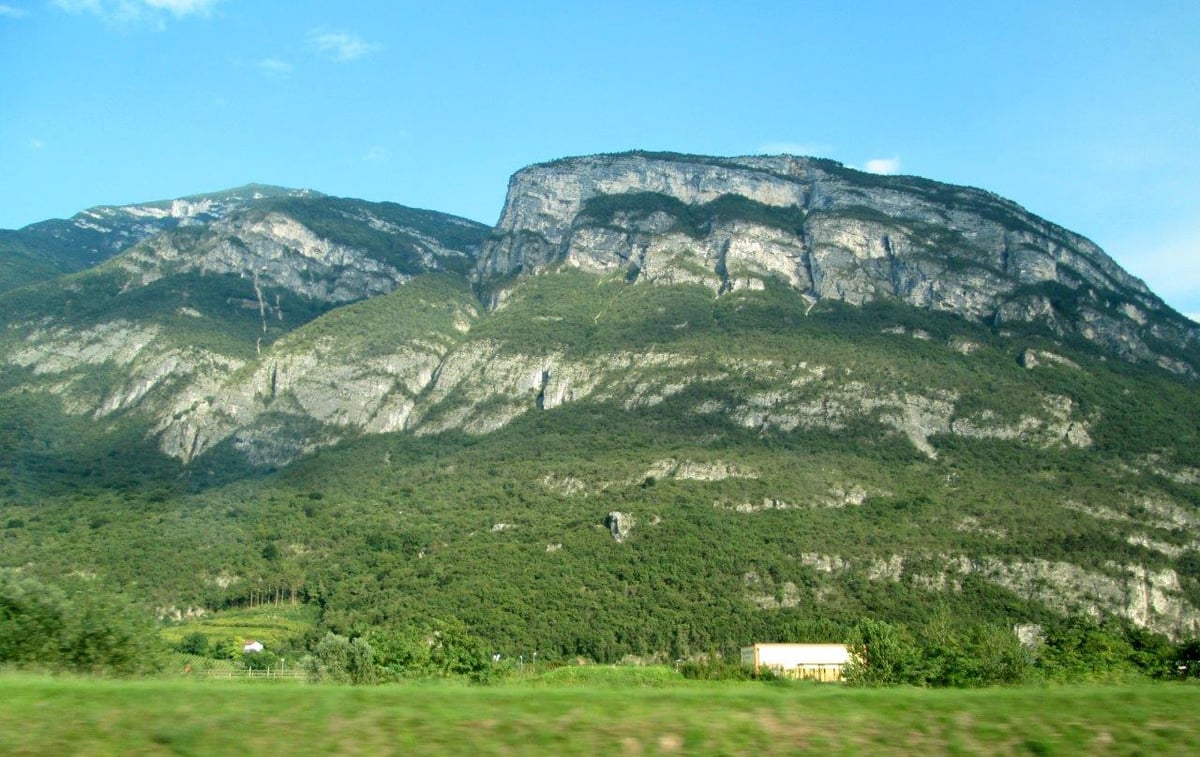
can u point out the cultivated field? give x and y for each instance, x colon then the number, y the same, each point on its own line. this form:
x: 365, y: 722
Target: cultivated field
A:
x: 590, y: 715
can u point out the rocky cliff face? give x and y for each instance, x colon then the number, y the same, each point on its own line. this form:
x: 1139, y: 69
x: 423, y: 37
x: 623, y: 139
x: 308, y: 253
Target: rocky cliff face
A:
x: 178, y: 327
x: 96, y: 234
x: 830, y: 233
x: 323, y: 249
x: 731, y: 225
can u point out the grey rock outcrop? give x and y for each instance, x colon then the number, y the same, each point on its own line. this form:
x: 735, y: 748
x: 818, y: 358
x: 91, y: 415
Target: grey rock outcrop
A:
x: 1148, y: 598
x: 831, y: 233
x: 619, y: 525
x: 94, y: 235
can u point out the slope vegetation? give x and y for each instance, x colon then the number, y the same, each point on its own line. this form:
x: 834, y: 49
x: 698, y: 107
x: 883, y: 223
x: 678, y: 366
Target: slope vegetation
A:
x: 670, y: 404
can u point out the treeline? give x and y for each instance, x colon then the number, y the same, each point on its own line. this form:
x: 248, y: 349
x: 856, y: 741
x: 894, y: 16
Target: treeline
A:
x: 941, y: 654
x: 439, y: 650
x: 82, y: 628
x: 947, y: 654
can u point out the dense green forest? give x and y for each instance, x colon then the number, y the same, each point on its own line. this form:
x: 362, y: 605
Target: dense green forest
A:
x: 508, y: 537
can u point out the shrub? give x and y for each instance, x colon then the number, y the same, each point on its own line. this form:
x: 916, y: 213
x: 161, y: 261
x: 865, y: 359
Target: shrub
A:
x: 194, y: 643
x: 883, y: 654
x: 85, y: 631
x: 341, y: 660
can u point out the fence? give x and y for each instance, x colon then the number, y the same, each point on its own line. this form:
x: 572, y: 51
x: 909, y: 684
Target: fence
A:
x: 294, y: 674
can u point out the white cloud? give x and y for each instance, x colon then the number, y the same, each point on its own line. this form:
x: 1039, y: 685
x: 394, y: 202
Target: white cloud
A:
x: 183, y: 7
x: 136, y: 11
x: 275, y: 67
x: 86, y: 6
x: 9, y: 11
x: 341, y: 46
x: 1193, y: 316
x: 793, y: 148
x: 36, y: 144
x: 882, y: 165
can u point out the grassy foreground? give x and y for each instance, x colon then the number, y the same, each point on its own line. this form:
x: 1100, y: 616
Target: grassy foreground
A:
x: 42, y: 715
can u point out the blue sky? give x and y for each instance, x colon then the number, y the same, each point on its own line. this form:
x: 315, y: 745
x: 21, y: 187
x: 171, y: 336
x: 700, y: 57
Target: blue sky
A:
x: 1084, y: 112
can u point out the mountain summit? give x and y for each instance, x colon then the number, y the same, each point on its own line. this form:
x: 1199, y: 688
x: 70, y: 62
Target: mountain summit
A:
x: 831, y: 233
x: 49, y: 248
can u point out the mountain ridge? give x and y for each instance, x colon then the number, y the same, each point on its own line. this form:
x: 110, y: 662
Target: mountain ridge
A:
x: 808, y: 398
x: 94, y: 234
x: 855, y: 236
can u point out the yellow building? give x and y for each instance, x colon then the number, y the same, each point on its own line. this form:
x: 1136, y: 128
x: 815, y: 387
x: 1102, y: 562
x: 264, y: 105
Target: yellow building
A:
x: 819, y: 662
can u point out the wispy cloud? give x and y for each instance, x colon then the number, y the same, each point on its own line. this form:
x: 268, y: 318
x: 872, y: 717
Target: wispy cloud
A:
x: 183, y: 7
x: 377, y: 154
x: 793, y: 148
x: 882, y: 165
x: 341, y: 46
x: 9, y: 11
x: 137, y: 11
x: 275, y: 67
x: 36, y: 144
x: 104, y: 8
x: 1193, y: 316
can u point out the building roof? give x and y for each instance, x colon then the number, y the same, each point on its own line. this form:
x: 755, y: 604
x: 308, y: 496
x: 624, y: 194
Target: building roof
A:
x: 802, y: 654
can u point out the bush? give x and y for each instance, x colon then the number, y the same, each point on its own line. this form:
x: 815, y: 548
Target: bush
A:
x: 194, y: 643
x: 86, y: 631
x: 714, y: 667
x: 341, y: 660
x: 883, y: 654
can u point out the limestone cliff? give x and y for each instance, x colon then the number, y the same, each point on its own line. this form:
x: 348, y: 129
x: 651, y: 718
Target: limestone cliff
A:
x: 178, y: 327
x: 49, y: 248
x: 831, y: 233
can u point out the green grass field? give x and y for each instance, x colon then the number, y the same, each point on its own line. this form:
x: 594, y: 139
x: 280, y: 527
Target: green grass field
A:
x: 581, y: 715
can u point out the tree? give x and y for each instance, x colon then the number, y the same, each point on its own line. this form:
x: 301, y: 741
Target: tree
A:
x: 226, y: 649
x: 456, y: 652
x: 33, y: 618
x: 194, y: 643
x: 263, y: 660
x: 1075, y: 649
x: 105, y: 635
x: 1187, y: 659
x: 401, y: 654
x: 341, y: 660
x: 86, y: 630
x: 883, y: 654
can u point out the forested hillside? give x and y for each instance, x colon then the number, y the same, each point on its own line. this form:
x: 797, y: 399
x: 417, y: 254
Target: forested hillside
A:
x: 655, y: 427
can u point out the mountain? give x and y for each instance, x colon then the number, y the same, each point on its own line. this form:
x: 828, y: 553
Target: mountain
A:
x: 50, y: 248
x: 832, y: 233
x: 156, y: 329
x: 668, y: 402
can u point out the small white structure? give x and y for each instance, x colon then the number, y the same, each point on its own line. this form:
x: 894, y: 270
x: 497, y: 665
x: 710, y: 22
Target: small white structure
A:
x: 819, y: 662
x: 252, y: 646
